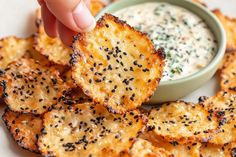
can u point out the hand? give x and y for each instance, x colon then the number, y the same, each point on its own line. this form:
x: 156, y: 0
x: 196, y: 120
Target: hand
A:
x: 66, y: 17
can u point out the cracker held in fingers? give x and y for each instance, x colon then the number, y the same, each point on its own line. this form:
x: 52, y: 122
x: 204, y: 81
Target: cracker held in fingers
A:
x: 24, y: 128
x: 29, y: 87
x: 85, y: 130
x: 183, y: 122
x: 116, y: 65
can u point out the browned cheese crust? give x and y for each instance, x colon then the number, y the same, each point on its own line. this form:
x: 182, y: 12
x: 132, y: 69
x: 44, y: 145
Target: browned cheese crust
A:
x: 230, y: 28
x: 24, y: 128
x: 223, y: 105
x: 211, y: 150
x: 228, y: 58
x: 183, y: 122
x: 86, y: 130
x: 67, y: 78
x: 228, y: 73
x: 175, y: 148
x: 29, y: 87
x: 74, y: 96
x: 143, y: 148
x: 13, y: 48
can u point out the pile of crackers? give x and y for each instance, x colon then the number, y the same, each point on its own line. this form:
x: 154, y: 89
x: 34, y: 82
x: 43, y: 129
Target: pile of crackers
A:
x: 85, y: 100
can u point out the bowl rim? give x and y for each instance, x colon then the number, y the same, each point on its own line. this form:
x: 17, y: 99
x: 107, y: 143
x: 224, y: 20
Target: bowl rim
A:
x: 221, y: 39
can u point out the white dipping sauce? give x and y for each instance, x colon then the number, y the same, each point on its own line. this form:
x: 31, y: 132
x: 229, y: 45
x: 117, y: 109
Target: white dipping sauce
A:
x: 188, y: 42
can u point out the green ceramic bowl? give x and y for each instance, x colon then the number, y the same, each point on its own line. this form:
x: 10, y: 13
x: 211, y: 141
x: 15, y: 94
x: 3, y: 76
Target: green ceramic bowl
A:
x: 175, y: 89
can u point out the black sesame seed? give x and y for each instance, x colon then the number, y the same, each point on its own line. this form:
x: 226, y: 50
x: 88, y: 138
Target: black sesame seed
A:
x: 109, y: 67
x: 233, y: 152
x: 98, y: 81
x: 146, y: 70
x: 131, y: 69
x: 150, y: 127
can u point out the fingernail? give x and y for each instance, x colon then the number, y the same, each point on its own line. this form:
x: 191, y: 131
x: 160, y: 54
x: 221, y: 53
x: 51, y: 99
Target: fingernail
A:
x: 83, y: 17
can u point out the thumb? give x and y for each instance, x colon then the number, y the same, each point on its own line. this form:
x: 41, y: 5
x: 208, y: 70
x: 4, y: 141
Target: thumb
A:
x: 74, y: 14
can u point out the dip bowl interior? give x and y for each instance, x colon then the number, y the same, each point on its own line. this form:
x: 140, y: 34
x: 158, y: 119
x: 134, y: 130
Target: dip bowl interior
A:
x: 175, y: 89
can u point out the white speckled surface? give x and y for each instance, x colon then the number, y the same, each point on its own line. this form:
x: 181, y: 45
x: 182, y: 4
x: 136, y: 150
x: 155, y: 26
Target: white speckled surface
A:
x: 16, y: 18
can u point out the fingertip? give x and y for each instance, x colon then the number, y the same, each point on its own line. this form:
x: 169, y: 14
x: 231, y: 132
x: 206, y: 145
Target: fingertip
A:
x: 40, y: 2
x: 91, y: 27
x: 88, y: 3
x: 83, y: 18
x: 65, y: 34
x: 49, y: 21
x: 74, y: 14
